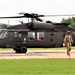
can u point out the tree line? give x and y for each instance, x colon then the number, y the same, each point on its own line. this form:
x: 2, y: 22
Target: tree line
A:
x: 3, y: 26
x: 70, y: 20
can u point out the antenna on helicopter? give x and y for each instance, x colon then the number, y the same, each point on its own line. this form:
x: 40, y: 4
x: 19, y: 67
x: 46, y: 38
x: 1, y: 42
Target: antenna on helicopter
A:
x: 21, y: 21
x: 21, y: 13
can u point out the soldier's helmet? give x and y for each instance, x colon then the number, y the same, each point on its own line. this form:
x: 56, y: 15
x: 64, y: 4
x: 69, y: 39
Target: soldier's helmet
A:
x: 68, y: 32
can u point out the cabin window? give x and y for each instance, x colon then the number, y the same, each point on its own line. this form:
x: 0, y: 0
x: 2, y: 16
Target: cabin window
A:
x: 3, y: 34
x: 31, y: 35
x: 40, y: 36
x: 15, y: 34
x: 19, y: 35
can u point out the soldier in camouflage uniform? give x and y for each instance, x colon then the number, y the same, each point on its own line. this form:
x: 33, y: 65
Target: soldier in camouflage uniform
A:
x: 68, y: 42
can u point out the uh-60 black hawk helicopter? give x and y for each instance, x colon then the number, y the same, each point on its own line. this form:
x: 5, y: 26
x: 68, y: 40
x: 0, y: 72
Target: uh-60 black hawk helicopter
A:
x: 34, y: 34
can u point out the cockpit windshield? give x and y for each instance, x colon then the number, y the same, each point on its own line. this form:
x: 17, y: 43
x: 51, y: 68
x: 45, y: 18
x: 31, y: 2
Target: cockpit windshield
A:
x: 3, y: 34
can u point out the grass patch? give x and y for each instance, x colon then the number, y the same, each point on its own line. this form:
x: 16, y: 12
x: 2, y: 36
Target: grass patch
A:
x: 6, y: 49
x: 58, y: 48
x: 37, y: 67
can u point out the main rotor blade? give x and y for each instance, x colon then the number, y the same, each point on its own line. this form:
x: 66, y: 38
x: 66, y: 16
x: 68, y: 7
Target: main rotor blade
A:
x: 37, y: 15
x: 27, y: 15
x: 59, y: 15
x: 12, y: 17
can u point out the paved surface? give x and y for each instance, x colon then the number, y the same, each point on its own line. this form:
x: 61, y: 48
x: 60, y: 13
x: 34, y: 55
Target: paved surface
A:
x: 32, y: 54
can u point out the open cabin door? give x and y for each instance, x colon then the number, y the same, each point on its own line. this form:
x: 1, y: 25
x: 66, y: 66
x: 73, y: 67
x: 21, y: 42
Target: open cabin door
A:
x: 16, y: 37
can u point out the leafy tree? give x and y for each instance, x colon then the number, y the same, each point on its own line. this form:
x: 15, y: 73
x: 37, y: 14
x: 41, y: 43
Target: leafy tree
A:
x: 2, y: 26
x: 70, y: 20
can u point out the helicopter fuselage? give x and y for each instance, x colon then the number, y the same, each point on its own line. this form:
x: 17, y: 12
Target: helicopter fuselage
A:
x: 52, y: 34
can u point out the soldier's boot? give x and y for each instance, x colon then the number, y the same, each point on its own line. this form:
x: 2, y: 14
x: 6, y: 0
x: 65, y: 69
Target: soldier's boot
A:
x: 69, y: 54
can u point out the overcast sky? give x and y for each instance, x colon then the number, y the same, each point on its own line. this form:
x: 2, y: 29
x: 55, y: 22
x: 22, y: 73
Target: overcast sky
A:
x: 47, y: 7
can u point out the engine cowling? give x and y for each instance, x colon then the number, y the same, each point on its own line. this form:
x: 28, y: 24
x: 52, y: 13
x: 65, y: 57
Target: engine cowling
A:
x: 41, y: 25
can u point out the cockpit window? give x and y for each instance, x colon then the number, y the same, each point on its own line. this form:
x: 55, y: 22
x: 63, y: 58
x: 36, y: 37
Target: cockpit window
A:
x: 3, y: 34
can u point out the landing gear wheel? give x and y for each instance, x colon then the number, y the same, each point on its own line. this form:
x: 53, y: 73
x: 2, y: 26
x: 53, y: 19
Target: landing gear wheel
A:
x: 23, y: 49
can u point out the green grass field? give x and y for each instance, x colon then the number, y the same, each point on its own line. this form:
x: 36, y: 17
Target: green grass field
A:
x: 37, y: 67
x: 58, y: 48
